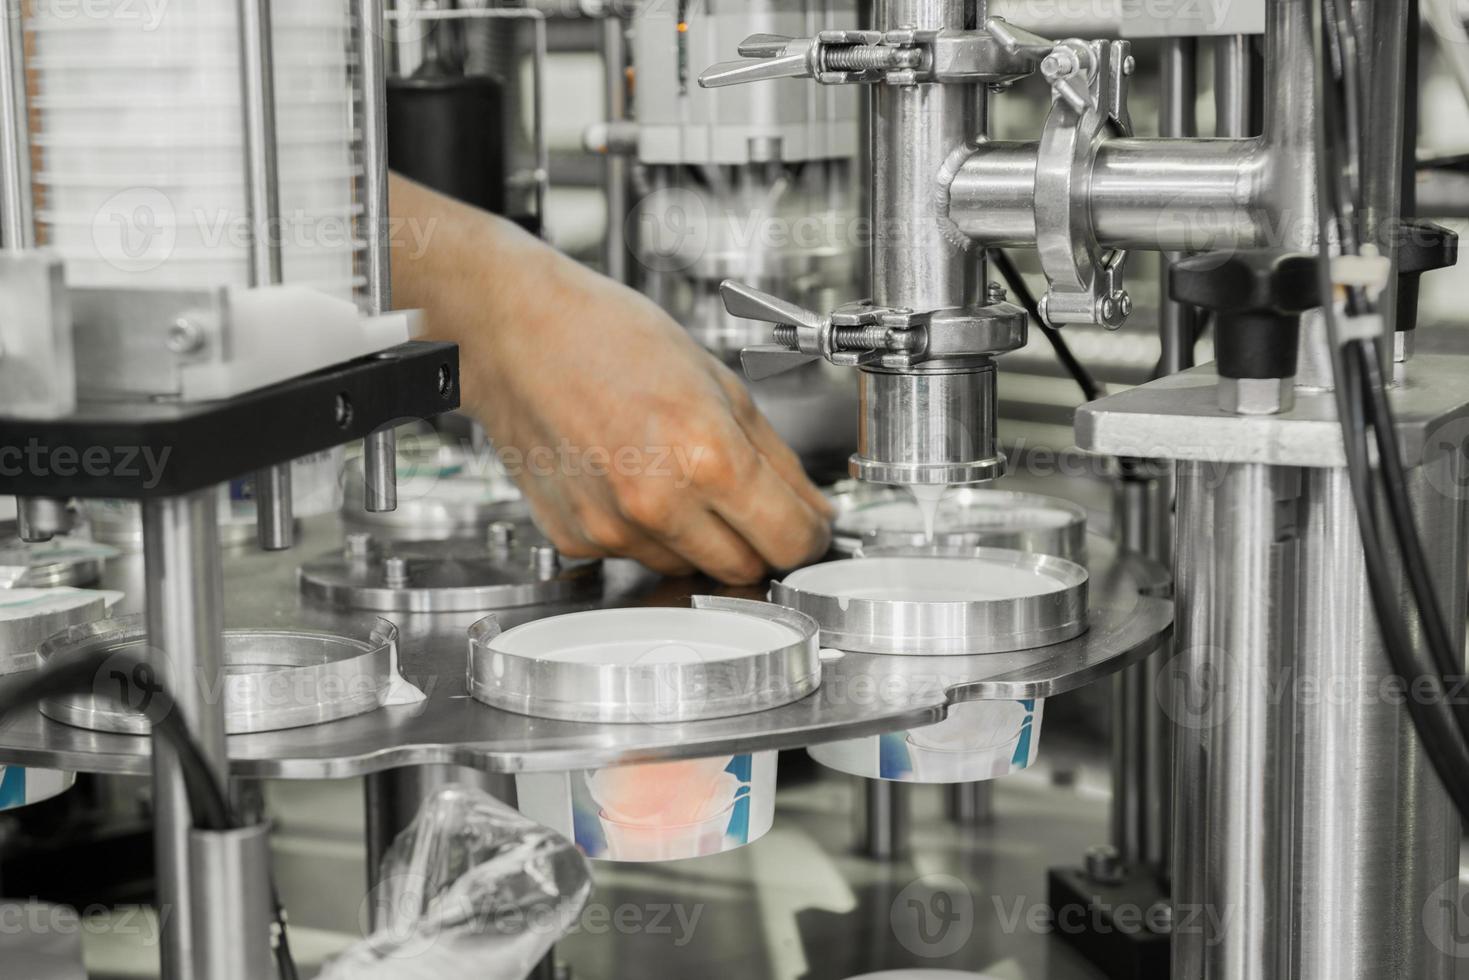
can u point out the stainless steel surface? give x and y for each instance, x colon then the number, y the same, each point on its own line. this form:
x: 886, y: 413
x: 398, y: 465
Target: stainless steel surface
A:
x: 17, y: 217
x: 1145, y: 193
x: 380, y: 471
x: 969, y: 804
x: 261, y: 170
x: 878, y: 516
x: 275, y: 520
x: 689, y: 686
x: 923, y: 628
x: 1257, y: 396
x: 1360, y: 909
x: 860, y: 694
x: 185, y: 619
x: 445, y: 576
x: 22, y: 635
x: 438, y: 498
x: 275, y: 679
x: 373, y: 195
x: 1178, y: 323
x: 935, y: 426
x: 1178, y: 418
x: 1233, y: 89
x: 39, y: 519
x: 613, y: 43
x: 1142, y: 729
x: 1236, y: 646
x: 233, y: 902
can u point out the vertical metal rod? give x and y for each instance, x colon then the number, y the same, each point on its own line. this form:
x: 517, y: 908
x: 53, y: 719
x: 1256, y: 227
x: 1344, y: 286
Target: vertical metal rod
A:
x: 1142, y: 785
x: 883, y: 828
x: 233, y: 902
x: 17, y: 218
x: 1177, y: 323
x: 39, y: 519
x: 273, y: 513
x: 185, y: 620
x: 380, y: 468
x: 614, y: 68
x: 1233, y: 98
x: 1232, y: 708
x: 970, y: 804
x: 373, y: 97
x: 539, y: 131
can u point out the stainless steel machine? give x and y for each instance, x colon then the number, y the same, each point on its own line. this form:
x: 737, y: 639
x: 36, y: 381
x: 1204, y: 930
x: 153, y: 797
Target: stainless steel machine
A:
x: 1285, y: 752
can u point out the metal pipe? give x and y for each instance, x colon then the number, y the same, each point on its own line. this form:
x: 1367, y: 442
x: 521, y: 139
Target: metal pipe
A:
x: 970, y: 804
x: 380, y: 469
x: 1142, y: 784
x: 1235, y: 630
x: 17, y: 217
x: 372, y: 81
x: 275, y: 520
x: 1178, y: 323
x: 1233, y: 95
x: 1146, y: 193
x: 39, y: 519
x: 916, y: 262
x: 185, y: 620
x: 615, y: 171
x: 1373, y: 836
x: 233, y: 903
x: 883, y: 831
x: 262, y: 164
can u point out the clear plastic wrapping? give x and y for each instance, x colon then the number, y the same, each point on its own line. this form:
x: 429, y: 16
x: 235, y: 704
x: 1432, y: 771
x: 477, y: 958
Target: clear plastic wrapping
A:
x: 472, y: 890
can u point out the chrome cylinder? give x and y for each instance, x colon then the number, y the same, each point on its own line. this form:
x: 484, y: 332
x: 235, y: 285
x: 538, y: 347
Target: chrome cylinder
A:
x: 380, y: 469
x: 1374, y: 837
x: 17, y: 218
x: 262, y: 170
x: 1235, y: 633
x: 931, y: 426
x: 233, y: 903
x: 1233, y: 91
x: 917, y: 261
x: 970, y: 804
x: 185, y: 618
x: 883, y: 820
x: 274, y: 515
x: 372, y: 82
x: 1177, y: 322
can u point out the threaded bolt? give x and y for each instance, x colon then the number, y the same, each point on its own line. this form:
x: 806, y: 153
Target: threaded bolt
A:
x: 502, y: 536
x: 785, y: 335
x: 871, y: 57
x: 545, y: 560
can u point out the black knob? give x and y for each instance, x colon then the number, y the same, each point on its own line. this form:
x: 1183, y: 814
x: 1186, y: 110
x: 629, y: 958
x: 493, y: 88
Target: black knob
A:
x: 1258, y: 298
x: 1423, y: 246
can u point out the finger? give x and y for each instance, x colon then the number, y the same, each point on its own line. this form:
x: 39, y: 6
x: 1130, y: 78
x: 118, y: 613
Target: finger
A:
x: 786, y: 463
x: 702, y: 537
x: 773, y: 518
x: 660, y: 559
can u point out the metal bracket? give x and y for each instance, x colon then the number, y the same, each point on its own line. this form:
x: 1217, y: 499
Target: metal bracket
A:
x: 1089, y: 101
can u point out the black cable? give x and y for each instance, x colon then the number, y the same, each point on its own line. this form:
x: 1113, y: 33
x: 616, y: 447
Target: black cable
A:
x: 209, y: 807
x: 1090, y: 390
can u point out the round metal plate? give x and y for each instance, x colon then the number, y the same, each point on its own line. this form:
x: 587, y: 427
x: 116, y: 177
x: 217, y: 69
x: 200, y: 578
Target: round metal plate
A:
x: 28, y: 618
x: 881, y: 516
x: 445, y: 576
x: 721, y: 658
x: 930, y: 602
x: 63, y: 561
x: 275, y: 679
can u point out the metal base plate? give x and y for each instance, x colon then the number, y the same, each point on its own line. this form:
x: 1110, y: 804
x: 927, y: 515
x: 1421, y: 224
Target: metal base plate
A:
x: 855, y: 698
x: 1121, y: 928
x: 445, y: 576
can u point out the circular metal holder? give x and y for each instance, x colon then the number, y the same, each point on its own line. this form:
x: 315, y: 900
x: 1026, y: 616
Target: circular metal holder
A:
x: 275, y: 679
x: 27, y: 619
x: 63, y: 561
x: 870, y: 517
x: 721, y: 658
x: 924, y: 602
x: 516, y: 567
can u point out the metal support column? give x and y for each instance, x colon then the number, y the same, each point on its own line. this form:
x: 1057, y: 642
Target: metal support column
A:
x: 882, y: 830
x: 615, y: 165
x: 1177, y: 323
x: 185, y: 619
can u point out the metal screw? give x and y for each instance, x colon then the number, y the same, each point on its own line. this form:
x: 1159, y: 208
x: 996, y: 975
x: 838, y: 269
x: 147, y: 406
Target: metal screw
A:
x: 185, y: 336
x: 342, y: 411
x: 1060, y: 63
x: 870, y: 57
x: 446, y: 381
x: 1104, y: 865
x: 1129, y: 65
x: 995, y: 293
x: 1109, y: 309
x: 359, y: 544
x: 1043, y: 307
x: 502, y: 536
x: 1126, y: 302
x: 395, y: 572
x: 545, y: 560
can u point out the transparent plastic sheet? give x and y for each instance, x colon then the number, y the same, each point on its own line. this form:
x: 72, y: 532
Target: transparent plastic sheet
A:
x: 472, y: 890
